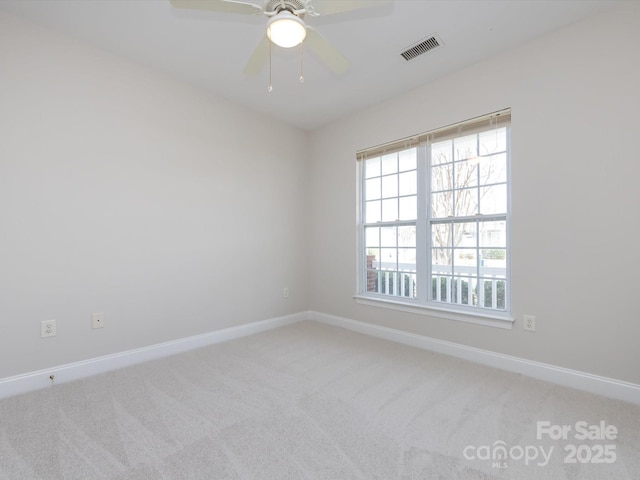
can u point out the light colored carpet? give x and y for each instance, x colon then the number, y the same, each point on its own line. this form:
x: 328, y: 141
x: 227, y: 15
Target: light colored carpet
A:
x: 307, y: 401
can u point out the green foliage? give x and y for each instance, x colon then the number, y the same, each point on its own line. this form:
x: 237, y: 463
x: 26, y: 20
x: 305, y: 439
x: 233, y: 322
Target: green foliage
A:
x: 500, y: 293
x: 494, y: 254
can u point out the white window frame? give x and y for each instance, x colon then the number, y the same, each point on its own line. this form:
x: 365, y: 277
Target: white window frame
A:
x: 423, y: 303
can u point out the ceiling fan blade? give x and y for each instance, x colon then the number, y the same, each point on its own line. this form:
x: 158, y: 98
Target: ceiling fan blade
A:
x: 326, y: 52
x: 259, y: 58
x: 224, y: 6
x: 329, y: 7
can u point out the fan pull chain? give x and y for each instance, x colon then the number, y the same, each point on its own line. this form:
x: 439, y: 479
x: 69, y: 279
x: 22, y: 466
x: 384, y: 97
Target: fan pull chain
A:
x: 301, y: 63
x: 270, y: 87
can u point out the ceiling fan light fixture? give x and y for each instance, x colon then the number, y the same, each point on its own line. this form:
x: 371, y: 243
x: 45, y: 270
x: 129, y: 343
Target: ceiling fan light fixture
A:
x: 286, y: 30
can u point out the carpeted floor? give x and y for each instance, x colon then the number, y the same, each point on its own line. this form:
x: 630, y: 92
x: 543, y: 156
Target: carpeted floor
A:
x: 310, y: 401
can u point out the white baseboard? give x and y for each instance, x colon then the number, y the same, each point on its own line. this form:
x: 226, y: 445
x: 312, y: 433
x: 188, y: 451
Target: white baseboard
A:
x: 608, y: 387
x: 31, y: 381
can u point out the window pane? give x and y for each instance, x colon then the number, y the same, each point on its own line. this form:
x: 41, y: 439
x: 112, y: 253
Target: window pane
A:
x: 493, y: 258
x: 408, y: 183
x: 493, y: 234
x: 390, y: 210
x: 463, y: 290
x: 440, y: 288
x: 407, y: 272
x: 466, y: 173
x: 441, y: 235
x: 465, y: 147
x: 389, y: 258
x: 372, y: 189
x: 407, y: 287
x: 372, y: 281
x: 463, y: 258
x: 465, y: 234
x: 408, y: 159
x: 408, y: 208
x: 494, y: 293
x: 493, y: 169
x: 372, y: 211
x: 372, y: 237
x: 389, y: 163
x: 388, y: 237
x: 373, y: 264
x: 372, y: 167
x: 466, y: 202
x: 441, y: 152
x: 442, y: 204
x: 407, y: 259
x: 390, y: 186
x: 387, y: 282
x: 493, y: 199
x: 442, y: 177
x: 441, y: 261
x: 492, y: 141
x: 373, y: 257
x: 407, y: 236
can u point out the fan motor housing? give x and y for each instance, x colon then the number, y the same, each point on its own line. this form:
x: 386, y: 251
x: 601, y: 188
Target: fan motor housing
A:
x: 279, y: 5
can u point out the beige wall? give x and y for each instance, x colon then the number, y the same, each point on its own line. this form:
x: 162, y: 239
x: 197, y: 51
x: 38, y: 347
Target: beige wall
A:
x: 125, y: 191
x: 575, y: 170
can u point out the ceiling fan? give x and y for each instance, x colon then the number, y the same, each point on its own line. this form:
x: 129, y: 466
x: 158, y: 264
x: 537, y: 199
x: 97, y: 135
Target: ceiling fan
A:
x: 286, y: 27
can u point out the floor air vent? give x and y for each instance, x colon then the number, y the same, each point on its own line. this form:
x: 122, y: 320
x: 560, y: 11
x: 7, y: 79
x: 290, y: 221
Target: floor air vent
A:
x: 422, y: 47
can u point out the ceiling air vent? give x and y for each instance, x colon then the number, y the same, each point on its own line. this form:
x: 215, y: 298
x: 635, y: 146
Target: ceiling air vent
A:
x: 423, y: 46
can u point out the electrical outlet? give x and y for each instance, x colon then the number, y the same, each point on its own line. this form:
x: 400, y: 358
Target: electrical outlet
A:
x: 47, y: 328
x: 285, y: 292
x: 529, y: 323
x: 97, y: 320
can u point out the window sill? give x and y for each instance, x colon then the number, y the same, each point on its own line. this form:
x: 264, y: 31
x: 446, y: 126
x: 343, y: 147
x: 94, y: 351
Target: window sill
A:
x: 498, y: 320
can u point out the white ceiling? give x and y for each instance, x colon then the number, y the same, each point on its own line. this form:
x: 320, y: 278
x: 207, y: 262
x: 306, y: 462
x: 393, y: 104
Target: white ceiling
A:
x: 211, y: 49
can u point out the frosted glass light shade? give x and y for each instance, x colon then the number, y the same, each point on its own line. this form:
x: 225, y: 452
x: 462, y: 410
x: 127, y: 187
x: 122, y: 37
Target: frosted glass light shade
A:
x: 286, y: 30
